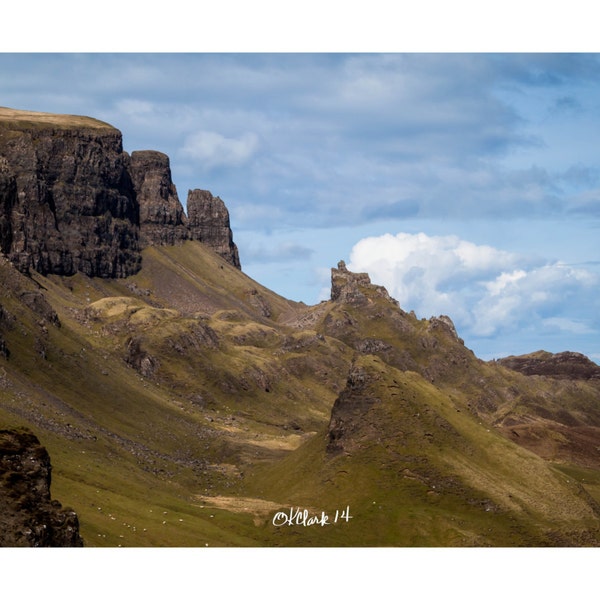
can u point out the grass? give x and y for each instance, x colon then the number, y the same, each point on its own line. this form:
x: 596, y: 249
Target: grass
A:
x: 232, y: 424
x: 36, y: 120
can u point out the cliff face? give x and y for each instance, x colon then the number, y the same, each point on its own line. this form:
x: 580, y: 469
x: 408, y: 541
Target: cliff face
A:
x: 73, y: 206
x: 71, y: 200
x: 29, y: 517
x: 208, y: 222
x: 162, y: 219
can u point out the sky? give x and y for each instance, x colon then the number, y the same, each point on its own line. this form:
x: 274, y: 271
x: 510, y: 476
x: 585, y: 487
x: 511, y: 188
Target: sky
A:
x: 468, y: 184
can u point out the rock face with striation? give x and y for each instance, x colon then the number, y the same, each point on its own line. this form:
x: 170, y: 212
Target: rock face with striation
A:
x: 8, y: 197
x: 71, y: 200
x: 162, y: 219
x: 208, y: 222
x: 73, y: 207
x: 29, y: 517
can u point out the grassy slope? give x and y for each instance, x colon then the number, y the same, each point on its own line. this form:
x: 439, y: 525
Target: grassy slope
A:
x: 31, y: 119
x: 132, y: 447
x: 426, y: 474
x: 229, y: 421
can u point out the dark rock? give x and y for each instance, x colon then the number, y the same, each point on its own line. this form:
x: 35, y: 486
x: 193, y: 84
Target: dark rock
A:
x: 72, y: 201
x: 139, y: 359
x: 4, y: 351
x: 564, y: 365
x: 29, y: 517
x: 208, y: 222
x: 194, y: 339
x: 37, y: 302
x: 75, y: 206
x: 349, y: 409
x: 162, y: 218
x: 8, y: 198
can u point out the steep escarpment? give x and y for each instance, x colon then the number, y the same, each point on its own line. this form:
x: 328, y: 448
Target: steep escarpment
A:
x: 162, y: 218
x: 29, y: 517
x: 208, y: 222
x: 71, y: 200
x: 73, y: 207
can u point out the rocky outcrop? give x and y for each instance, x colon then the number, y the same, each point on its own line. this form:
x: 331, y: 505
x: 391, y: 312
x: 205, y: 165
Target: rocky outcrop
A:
x: 348, y: 287
x: 563, y: 365
x: 349, y: 410
x: 162, y: 218
x: 74, y: 207
x: 208, y: 222
x: 29, y: 517
x: 71, y: 200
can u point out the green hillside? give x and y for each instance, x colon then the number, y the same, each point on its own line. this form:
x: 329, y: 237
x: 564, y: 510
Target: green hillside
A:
x: 188, y: 405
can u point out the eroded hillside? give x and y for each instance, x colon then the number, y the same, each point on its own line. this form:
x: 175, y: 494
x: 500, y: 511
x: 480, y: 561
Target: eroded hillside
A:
x: 184, y: 404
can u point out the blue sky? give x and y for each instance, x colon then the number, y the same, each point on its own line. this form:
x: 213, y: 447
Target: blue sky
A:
x: 468, y: 184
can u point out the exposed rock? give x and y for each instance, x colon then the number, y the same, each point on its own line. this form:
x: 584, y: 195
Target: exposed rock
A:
x: 349, y: 409
x: 257, y: 300
x: 162, y: 218
x: 208, y: 222
x: 29, y: 517
x: 8, y: 198
x: 37, y: 302
x: 350, y: 287
x: 75, y: 207
x: 72, y: 201
x: 564, y: 365
x: 194, y: 339
x: 139, y: 359
x: 444, y: 322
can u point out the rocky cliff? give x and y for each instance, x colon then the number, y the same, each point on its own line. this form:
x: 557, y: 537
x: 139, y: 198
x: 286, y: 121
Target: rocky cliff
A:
x: 162, y: 218
x: 208, y: 222
x: 72, y: 206
x: 71, y: 200
x: 29, y: 517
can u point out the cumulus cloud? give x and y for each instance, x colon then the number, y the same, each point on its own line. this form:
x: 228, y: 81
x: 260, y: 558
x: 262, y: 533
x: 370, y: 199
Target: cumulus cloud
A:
x: 485, y: 290
x: 212, y: 149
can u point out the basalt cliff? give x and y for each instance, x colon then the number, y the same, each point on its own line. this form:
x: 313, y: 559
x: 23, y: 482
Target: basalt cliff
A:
x: 71, y: 200
x: 184, y: 404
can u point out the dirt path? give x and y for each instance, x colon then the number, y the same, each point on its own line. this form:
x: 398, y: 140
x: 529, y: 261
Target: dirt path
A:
x: 261, y: 509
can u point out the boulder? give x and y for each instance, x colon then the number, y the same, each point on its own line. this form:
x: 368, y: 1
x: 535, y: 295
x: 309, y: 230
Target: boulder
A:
x: 29, y: 517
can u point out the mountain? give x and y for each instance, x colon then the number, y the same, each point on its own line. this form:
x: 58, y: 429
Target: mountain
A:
x: 184, y: 404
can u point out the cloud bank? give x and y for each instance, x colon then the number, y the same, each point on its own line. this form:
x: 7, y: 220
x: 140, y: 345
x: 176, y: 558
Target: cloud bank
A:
x: 485, y: 290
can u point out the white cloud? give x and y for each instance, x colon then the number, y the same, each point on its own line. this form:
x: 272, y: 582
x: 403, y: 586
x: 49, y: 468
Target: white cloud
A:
x: 486, y: 291
x: 212, y: 149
